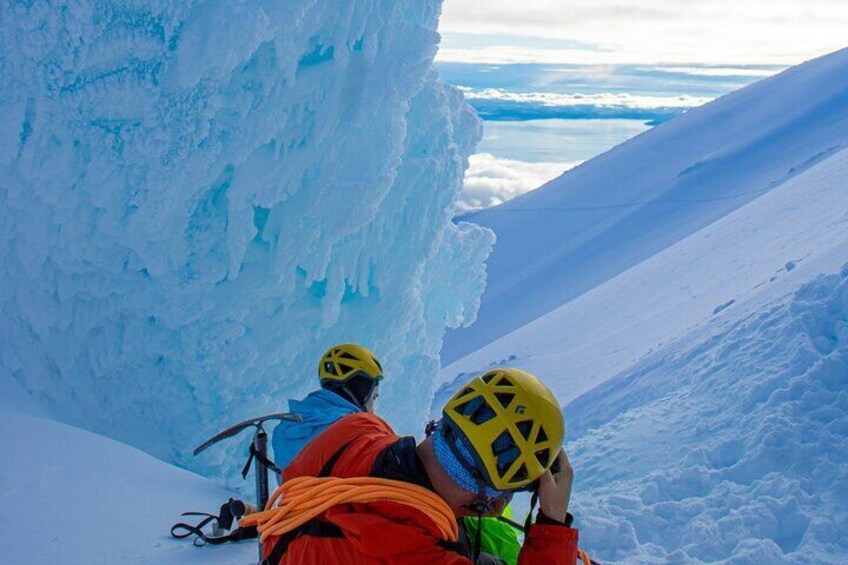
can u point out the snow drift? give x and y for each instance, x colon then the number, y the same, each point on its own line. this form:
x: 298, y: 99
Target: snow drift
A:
x: 731, y: 446
x: 197, y: 198
x: 619, y: 209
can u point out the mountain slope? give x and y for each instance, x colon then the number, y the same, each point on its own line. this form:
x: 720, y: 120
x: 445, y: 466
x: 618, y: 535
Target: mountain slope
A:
x: 705, y: 388
x: 764, y: 250
x: 620, y: 208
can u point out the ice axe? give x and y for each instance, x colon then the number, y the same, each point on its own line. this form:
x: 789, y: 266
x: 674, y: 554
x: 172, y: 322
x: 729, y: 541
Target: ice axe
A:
x: 258, y: 450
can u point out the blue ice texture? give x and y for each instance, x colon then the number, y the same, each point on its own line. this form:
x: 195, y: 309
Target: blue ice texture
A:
x: 198, y: 197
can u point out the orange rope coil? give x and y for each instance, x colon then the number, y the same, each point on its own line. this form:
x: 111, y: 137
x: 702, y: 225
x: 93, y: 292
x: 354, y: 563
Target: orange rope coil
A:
x: 300, y: 500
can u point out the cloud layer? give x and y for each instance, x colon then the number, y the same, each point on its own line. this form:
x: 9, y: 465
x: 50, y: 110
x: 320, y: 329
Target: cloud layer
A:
x: 603, y: 99
x: 500, y: 104
x: 491, y: 180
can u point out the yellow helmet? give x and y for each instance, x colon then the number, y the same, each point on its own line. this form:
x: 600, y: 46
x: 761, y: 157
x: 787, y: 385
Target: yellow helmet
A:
x: 348, y: 360
x: 512, y: 423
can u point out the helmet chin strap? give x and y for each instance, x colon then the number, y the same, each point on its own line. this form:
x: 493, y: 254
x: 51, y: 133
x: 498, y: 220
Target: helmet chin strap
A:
x: 352, y: 397
x: 481, y: 506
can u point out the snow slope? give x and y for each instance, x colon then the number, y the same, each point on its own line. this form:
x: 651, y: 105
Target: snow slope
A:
x: 737, y: 264
x: 620, y: 208
x: 197, y: 198
x: 71, y: 496
x: 706, y: 388
x: 727, y: 446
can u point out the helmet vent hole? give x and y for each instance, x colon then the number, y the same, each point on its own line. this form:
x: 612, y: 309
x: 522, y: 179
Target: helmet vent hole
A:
x: 345, y: 369
x: 506, y: 452
x: 347, y: 355
x: 525, y: 428
x: 543, y: 456
x: 377, y: 363
x: 521, y: 474
x: 504, y: 398
x: 487, y: 378
x: 483, y: 415
x: 476, y: 410
x: 502, y: 445
x: 330, y: 368
x: 466, y: 390
x: 463, y: 408
x: 541, y: 436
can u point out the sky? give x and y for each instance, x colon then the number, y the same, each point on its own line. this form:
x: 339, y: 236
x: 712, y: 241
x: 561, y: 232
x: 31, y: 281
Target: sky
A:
x: 560, y: 81
x: 708, y: 32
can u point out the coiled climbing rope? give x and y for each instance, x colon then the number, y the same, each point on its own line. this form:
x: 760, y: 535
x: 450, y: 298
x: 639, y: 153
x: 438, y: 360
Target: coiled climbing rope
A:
x: 302, y: 499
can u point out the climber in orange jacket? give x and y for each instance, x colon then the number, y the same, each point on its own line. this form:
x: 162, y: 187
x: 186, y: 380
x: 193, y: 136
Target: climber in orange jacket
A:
x: 500, y: 433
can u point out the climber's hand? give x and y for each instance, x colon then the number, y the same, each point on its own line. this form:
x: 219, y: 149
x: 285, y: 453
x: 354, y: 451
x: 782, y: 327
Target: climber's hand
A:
x: 555, y: 488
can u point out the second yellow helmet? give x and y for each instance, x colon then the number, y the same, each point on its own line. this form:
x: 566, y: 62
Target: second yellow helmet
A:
x: 344, y: 361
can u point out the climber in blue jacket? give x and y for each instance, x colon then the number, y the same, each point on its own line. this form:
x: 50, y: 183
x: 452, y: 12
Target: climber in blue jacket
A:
x: 350, y: 378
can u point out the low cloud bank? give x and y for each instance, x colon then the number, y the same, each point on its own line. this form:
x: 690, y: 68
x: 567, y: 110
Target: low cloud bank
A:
x: 504, y: 105
x: 492, y: 180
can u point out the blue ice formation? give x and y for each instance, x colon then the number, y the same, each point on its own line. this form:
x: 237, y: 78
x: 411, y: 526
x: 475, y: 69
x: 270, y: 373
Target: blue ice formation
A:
x: 197, y: 197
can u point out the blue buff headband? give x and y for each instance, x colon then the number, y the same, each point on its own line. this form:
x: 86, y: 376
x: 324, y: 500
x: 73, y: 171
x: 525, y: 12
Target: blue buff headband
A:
x: 454, y: 468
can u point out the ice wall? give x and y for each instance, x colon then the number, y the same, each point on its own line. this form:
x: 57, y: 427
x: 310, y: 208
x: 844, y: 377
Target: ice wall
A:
x: 197, y: 198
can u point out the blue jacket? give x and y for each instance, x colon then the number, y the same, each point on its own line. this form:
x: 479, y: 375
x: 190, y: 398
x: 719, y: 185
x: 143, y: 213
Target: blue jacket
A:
x: 319, y: 409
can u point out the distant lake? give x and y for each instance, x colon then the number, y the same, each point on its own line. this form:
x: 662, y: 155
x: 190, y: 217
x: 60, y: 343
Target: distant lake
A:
x: 556, y: 141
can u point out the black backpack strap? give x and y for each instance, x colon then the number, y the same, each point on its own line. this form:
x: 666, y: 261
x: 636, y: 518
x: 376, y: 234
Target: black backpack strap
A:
x: 316, y: 528
x: 280, y: 548
x: 327, y: 469
x: 454, y: 547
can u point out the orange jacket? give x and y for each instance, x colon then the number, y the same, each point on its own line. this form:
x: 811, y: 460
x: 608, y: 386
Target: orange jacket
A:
x: 385, y: 533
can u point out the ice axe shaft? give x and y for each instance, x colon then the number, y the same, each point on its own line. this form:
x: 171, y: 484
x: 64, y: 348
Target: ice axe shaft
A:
x: 260, y: 444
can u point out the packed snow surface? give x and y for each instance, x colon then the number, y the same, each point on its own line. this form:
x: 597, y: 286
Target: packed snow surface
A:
x: 71, y: 496
x: 197, y: 198
x: 728, y: 446
x: 611, y: 213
